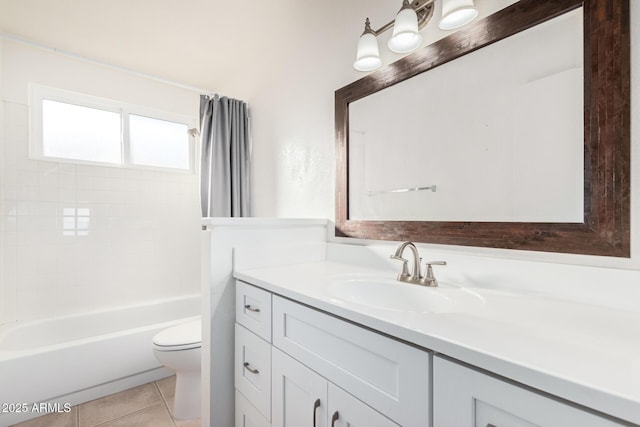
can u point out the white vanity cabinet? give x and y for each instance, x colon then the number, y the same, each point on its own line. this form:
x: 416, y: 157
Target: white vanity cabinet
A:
x: 323, y: 371
x: 464, y: 397
x: 336, y: 334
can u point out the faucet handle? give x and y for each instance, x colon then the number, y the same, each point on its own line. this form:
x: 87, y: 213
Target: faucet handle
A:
x: 437, y: 263
x: 405, y: 266
x: 429, y: 278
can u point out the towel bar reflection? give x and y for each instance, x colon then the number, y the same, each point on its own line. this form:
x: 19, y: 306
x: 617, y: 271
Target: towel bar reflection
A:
x: 402, y: 190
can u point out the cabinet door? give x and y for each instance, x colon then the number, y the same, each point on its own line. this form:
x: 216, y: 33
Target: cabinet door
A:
x: 299, y: 395
x: 347, y: 411
x: 464, y: 397
x: 253, y: 369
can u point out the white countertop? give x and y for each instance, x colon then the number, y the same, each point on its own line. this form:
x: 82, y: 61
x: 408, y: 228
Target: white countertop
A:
x: 583, y: 353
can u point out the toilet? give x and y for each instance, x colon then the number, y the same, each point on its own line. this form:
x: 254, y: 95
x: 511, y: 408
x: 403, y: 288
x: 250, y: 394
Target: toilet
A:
x: 178, y: 348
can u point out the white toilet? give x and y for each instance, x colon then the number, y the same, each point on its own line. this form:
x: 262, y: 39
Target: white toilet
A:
x: 179, y: 348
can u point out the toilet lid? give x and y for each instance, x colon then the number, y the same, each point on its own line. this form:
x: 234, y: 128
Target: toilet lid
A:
x: 184, y: 335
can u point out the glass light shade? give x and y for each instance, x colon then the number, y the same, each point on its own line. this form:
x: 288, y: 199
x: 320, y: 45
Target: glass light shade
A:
x: 457, y: 13
x: 368, y: 55
x: 406, y: 37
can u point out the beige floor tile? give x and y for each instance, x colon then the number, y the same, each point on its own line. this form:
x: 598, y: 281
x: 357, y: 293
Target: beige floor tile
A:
x: 111, y: 407
x: 167, y: 386
x: 140, y: 407
x: 67, y: 419
x: 153, y: 416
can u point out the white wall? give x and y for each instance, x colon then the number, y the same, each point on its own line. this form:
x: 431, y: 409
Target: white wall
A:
x: 143, y: 241
x: 293, y: 127
x: 2, y: 225
x: 293, y: 115
x: 238, y: 243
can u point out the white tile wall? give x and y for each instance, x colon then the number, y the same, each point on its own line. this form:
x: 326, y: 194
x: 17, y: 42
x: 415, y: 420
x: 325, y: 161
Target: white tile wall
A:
x: 77, y: 238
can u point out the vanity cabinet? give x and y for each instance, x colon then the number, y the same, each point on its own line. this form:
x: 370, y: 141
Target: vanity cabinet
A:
x: 298, y: 366
x: 464, y: 397
x: 319, y: 366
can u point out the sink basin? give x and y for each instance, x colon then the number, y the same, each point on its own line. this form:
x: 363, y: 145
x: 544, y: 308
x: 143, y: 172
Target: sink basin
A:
x: 391, y: 294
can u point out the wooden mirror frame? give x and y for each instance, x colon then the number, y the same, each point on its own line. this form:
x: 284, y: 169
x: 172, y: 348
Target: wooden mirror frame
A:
x: 606, y: 227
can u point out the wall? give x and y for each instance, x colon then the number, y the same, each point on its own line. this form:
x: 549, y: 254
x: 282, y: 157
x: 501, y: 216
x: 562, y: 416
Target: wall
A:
x: 293, y: 128
x: 237, y: 243
x: 293, y: 114
x: 2, y: 225
x: 143, y: 240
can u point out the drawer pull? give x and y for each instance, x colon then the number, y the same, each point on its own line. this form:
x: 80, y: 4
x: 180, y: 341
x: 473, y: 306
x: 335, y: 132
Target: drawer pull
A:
x: 253, y: 309
x: 316, y: 405
x: 250, y: 369
x: 490, y: 425
x: 334, y: 418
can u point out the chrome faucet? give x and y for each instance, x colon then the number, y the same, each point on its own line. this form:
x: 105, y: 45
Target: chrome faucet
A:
x: 404, y: 276
x: 416, y: 275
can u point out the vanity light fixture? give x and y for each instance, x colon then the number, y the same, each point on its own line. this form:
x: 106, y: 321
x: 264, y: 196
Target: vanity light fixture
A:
x: 457, y: 13
x: 406, y: 37
x: 368, y: 55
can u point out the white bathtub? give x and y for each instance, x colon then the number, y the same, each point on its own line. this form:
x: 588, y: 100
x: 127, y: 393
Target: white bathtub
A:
x: 77, y: 358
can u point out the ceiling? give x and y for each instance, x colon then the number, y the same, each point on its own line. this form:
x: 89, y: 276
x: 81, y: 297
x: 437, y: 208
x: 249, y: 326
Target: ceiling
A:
x: 220, y: 46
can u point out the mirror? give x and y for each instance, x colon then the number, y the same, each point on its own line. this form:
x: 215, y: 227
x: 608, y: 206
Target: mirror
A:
x: 527, y: 149
x: 495, y: 135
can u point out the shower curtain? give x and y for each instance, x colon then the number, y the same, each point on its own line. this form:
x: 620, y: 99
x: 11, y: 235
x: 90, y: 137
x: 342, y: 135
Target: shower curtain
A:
x: 225, y: 138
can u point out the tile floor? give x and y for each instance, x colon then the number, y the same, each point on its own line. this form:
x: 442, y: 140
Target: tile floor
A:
x: 148, y: 405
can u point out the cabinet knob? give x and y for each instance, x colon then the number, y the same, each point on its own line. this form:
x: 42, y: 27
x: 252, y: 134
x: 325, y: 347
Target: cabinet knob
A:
x: 248, y: 367
x: 334, y: 418
x: 316, y: 405
x: 253, y: 309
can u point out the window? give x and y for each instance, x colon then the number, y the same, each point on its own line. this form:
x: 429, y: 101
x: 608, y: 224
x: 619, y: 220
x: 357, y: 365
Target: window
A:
x: 81, y: 133
x: 72, y: 127
x: 161, y: 143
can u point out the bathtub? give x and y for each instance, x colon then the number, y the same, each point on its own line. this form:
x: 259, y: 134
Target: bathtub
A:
x: 73, y: 359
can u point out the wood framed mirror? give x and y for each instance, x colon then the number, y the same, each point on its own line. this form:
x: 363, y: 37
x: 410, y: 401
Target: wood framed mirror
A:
x: 604, y: 228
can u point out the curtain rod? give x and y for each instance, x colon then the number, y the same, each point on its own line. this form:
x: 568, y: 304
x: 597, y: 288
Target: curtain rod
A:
x: 76, y: 56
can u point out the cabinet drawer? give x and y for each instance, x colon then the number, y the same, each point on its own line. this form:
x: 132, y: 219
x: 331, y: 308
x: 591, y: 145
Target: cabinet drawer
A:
x: 253, y: 309
x: 389, y: 376
x: 467, y: 398
x: 253, y: 369
x: 247, y: 415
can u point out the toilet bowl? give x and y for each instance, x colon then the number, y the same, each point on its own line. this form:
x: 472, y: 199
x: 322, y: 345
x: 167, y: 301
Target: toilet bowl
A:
x: 178, y: 348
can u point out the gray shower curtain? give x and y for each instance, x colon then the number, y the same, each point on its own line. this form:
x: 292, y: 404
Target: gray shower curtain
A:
x: 224, y: 179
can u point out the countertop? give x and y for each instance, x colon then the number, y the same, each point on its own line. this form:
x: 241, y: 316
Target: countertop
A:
x: 586, y: 354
